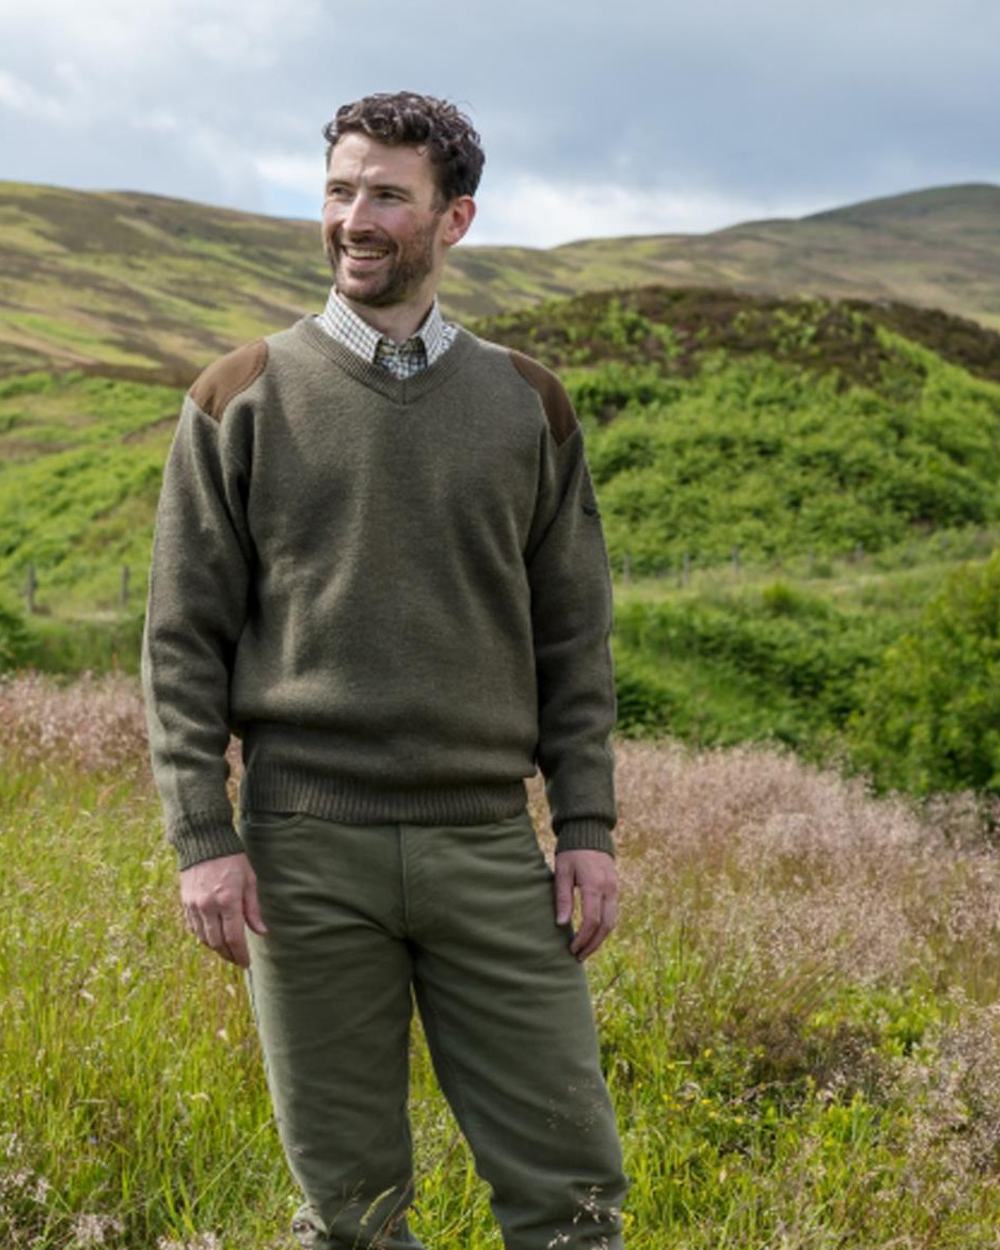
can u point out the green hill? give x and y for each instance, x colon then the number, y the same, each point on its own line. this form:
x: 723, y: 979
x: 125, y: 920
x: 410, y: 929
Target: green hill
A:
x: 936, y: 248
x: 779, y: 428
x: 142, y: 283
x: 776, y: 427
x: 785, y: 485
x: 154, y: 287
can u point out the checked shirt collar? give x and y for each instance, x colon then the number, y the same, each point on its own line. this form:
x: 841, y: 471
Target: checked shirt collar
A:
x: 403, y: 360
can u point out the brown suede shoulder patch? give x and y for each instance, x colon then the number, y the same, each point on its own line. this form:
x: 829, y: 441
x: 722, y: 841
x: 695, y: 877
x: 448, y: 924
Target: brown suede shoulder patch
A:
x: 555, y: 401
x: 227, y: 377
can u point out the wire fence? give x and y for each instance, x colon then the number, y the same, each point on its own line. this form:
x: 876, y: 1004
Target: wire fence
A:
x: 94, y: 588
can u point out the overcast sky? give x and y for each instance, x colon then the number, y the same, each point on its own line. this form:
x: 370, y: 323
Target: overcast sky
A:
x: 627, y: 117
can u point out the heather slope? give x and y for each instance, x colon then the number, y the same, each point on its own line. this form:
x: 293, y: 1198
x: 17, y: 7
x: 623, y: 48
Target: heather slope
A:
x: 159, y: 285
x: 143, y: 282
x: 777, y: 428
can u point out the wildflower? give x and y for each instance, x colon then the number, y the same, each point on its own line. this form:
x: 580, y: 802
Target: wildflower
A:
x: 92, y: 1230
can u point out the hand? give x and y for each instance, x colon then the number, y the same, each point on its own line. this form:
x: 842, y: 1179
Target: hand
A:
x: 220, y: 898
x: 594, y: 875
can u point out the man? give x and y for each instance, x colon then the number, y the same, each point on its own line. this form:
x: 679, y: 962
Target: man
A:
x: 378, y: 560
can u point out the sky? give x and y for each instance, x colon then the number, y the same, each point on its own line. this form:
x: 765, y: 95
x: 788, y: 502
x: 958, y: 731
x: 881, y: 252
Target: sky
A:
x: 612, y: 118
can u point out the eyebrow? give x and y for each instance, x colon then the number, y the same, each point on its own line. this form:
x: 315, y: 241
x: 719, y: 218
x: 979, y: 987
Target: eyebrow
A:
x: 374, y: 186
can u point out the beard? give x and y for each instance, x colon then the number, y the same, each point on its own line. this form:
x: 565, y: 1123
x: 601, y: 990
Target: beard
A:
x: 409, y: 264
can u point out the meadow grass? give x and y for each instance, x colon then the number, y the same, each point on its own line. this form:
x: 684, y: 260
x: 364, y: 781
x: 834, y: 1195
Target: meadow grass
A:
x: 798, y: 1012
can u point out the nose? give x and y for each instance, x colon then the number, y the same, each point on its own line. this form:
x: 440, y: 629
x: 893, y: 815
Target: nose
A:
x: 356, y: 219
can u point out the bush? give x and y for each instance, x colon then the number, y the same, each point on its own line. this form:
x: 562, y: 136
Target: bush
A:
x: 17, y: 644
x: 930, y: 717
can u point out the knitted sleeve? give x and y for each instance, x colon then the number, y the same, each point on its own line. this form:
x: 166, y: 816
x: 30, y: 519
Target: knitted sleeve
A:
x: 568, y: 572
x: 196, y: 607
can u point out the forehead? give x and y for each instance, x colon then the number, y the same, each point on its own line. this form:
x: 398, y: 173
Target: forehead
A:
x: 359, y: 159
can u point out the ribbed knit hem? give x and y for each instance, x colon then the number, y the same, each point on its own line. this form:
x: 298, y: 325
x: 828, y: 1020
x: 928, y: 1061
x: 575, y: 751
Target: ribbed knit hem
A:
x: 278, y: 788
x: 585, y: 834
x: 204, y: 837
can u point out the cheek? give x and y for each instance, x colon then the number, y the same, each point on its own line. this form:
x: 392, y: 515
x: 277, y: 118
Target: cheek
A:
x: 331, y: 218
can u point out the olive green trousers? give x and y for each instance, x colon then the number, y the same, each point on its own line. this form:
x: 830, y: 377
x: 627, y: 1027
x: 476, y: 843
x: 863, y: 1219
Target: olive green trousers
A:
x: 361, y: 920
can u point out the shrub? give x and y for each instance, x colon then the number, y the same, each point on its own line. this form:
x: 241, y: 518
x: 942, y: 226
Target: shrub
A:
x: 17, y: 645
x: 930, y: 715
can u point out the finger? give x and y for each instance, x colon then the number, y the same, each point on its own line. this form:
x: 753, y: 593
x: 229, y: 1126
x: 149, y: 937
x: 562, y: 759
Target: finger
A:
x: 590, y: 918
x: 193, y: 921
x: 564, y: 891
x: 609, y: 917
x: 215, y: 937
x: 595, y: 943
x: 234, y: 936
x: 251, y: 906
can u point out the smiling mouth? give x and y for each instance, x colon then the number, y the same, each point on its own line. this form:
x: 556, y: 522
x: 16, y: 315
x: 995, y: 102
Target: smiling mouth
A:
x: 363, y: 252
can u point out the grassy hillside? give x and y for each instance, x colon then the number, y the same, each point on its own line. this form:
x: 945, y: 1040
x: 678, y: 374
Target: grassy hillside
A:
x: 782, y: 429
x: 797, y: 1013
x: 142, y: 282
x: 799, y: 657
x: 792, y: 483
x: 936, y: 248
x: 785, y: 485
x: 157, y: 286
x: 81, y: 461
x: 777, y: 428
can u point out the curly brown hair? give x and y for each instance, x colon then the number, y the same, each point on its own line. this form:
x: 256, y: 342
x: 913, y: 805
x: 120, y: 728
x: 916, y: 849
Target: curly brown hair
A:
x: 406, y: 118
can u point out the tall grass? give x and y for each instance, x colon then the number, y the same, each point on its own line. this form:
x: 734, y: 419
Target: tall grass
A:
x: 798, y: 1013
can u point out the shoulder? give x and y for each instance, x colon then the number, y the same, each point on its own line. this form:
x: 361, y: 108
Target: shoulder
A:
x: 550, y: 391
x: 227, y: 377
x: 555, y: 401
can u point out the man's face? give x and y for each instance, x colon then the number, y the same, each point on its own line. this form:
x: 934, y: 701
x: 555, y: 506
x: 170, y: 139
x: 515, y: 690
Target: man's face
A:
x: 384, y: 230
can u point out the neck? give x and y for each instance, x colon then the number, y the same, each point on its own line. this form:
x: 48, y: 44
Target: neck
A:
x: 397, y: 321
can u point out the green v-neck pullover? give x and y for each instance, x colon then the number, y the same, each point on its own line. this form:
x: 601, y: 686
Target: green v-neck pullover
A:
x: 396, y: 593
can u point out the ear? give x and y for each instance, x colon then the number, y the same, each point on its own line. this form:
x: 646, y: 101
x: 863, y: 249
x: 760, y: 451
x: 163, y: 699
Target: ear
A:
x: 457, y: 219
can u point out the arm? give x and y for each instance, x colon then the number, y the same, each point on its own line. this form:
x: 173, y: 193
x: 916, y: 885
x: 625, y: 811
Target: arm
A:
x: 196, y: 608
x: 571, y: 622
x: 571, y: 619
x: 198, y: 585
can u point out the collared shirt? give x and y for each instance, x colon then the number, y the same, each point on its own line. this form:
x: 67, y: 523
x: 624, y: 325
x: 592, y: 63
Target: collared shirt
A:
x: 430, y: 341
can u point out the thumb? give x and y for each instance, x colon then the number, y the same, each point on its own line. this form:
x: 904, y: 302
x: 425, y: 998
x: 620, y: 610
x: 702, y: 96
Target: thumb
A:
x: 251, y: 906
x: 564, y: 892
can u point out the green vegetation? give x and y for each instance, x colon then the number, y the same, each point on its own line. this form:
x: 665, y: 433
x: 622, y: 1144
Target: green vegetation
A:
x: 817, y: 442
x: 771, y: 428
x: 928, y: 718
x: 17, y: 646
x: 803, y: 514
x: 81, y: 460
x: 165, y: 284
x: 775, y: 662
x: 784, y: 486
x: 879, y: 670
x: 794, y: 1014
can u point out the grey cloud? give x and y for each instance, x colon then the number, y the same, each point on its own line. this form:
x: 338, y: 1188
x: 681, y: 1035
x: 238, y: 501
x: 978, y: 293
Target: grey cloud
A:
x: 759, y: 101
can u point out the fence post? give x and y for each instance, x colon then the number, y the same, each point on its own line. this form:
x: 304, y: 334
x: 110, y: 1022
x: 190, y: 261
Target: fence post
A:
x: 124, y: 586
x: 29, y: 589
x: 736, y: 560
x: 686, y: 569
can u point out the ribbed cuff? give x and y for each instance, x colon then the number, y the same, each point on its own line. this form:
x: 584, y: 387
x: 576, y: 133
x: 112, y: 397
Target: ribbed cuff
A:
x: 585, y: 834
x: 206, y: 837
